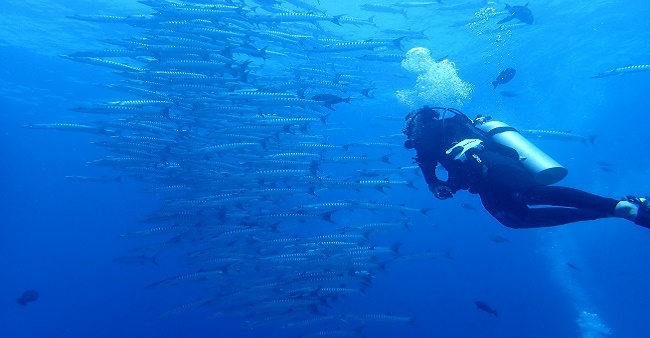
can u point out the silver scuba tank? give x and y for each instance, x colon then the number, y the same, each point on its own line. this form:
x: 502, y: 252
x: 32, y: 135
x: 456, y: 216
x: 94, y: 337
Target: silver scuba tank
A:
x: 544, y: 169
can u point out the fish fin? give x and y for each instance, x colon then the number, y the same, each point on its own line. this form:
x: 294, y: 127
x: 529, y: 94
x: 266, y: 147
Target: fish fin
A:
x: 412, y: 322
x: 336, y: 19
x: 424, y: 211
x: 506, y: 19
x: 328, y: 217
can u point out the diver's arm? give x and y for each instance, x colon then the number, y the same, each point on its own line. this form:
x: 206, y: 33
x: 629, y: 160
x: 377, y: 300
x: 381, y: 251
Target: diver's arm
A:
x: 438, y: 188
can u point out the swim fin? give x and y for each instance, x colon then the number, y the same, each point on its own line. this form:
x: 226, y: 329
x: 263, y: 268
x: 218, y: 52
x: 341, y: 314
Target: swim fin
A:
x: 643, y: 213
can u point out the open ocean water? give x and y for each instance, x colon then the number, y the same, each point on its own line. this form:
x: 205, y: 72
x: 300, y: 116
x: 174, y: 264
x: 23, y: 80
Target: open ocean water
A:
x: 191, y: 169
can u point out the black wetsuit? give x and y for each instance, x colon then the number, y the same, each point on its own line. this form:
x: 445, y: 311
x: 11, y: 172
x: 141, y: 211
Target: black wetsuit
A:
x: 506, y: 189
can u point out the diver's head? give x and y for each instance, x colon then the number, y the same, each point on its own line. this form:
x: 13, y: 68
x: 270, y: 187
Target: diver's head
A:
x: 416, y: 121
x: 420, y: 123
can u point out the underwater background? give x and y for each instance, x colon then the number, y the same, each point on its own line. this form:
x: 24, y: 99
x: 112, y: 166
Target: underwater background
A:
x: 137, y: 224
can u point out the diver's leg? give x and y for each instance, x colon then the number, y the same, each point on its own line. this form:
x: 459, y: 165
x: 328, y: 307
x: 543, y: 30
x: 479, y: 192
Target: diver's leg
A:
x: 512, y: 211
x: 633, y: 209
x: 569, y: 197
x: 553, y: 216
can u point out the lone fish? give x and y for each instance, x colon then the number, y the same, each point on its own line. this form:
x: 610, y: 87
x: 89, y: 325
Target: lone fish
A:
x: 504, y: 77
x: 28, y: 297
x: 485, y: 307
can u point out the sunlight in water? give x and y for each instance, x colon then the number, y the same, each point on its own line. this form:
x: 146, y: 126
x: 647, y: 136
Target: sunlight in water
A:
x: 591, y: 326
x: 559, y: 247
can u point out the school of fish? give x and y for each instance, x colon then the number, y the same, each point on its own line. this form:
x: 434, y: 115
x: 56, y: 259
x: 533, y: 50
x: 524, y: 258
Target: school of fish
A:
x: 223, y: 110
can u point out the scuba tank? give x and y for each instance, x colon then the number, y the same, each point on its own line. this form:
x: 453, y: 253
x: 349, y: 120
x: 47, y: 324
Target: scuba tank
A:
x: 544, y: 169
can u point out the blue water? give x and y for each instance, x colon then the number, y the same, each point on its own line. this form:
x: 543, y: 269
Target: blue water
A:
x: 60, y: 237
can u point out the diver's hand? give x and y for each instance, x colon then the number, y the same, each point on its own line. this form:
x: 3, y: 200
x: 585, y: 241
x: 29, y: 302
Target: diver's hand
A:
x: 442, y: 192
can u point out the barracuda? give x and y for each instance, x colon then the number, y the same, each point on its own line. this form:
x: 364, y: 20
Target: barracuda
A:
x: 284, y: 191
x: 357, y: 21
x: 136, y: 20
x: 360, y: 45
x: 170, y: 188
x: 218, y: 33
x: 151, y: 148
x: 105, y: 53
x: 558, y: 135
x: 201, y: 275
x: 71, y: 127
x: 299, y: 216
x: 313, y: 146
x: 378, y: 317
x: 256, y: 94
x: 100, y: 179
x: 152, y: 94
x: 140, y: 103
x: 390, y: 207
x: 367, y: 229
x: 379, y: 184
x: 193, y: 43
x: 293, y: 155
x: 415, y: 170
x: 226, y: 147
x: 329, y: 206
x: 357, y: 159
x: 112, y: 161
x: 624, y: 70
x: 104, y: 63
x: 296, y: 17
x: 280, y: 173
x: 115, y: 109
x: 158, y: 231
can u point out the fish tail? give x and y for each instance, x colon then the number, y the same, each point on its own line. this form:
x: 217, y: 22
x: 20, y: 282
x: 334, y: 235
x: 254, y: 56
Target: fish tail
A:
x: 313, y: 168
x: 274, y: 227
x: 395, y: 248
x: 495, y: 84
x: 336, y: 18
x: 312, y: 191
x: 398, y: 42
x: 412, y: 322
x: 591, y: 139
x: 328, y: 217
x: 323, y: 119
x: 424, y: 211
x: 406, y: 223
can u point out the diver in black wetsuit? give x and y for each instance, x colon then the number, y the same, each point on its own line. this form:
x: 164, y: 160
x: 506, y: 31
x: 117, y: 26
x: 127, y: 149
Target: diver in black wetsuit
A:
x: 507, y: 182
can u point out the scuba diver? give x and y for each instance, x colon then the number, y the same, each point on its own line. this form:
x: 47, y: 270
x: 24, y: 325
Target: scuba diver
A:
x: 510, y: 174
